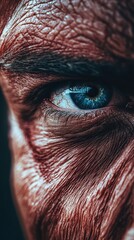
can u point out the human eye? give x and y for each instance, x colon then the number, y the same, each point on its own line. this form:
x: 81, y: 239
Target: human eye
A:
x: 76, y: 108
x: 83, y: 97
x: 76, y: 100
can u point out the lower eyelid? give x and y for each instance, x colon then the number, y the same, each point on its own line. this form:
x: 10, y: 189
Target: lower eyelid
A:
x: 53, y: 114
x: 70, y: 125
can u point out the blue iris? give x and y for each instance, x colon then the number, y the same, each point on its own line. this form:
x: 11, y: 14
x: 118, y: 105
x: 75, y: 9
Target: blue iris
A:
x: 90, y: 97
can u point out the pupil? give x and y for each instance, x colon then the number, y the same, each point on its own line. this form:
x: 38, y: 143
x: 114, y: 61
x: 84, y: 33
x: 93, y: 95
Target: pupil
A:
x: 92, y: 92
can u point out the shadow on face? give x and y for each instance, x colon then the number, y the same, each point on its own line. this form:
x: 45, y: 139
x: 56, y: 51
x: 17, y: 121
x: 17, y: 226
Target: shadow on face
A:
x: 9, y: 224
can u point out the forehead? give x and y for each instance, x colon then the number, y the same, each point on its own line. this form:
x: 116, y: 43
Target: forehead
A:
x: 94, y: 29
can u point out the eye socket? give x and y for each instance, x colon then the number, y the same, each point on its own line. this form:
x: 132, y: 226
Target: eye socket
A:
x: 80, y: 97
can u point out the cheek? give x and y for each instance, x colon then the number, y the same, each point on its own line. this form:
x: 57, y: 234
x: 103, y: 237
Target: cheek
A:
x: 88, y: 156
x: 81, y: 189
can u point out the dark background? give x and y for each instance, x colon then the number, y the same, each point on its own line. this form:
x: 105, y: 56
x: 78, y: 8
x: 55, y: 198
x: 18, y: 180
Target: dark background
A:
x: 9, y: 224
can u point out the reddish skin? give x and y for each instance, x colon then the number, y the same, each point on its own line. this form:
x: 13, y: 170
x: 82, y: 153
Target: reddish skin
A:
x: 64, y: 188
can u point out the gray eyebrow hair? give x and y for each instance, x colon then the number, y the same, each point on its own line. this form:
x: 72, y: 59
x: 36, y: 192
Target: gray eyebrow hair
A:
x: 49, y: 63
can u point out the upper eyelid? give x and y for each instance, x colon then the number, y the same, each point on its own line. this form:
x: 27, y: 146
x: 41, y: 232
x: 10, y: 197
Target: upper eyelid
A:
x: 55, y: 84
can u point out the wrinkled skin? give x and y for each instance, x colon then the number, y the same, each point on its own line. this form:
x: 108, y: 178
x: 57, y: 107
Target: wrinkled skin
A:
x: 72, y: 175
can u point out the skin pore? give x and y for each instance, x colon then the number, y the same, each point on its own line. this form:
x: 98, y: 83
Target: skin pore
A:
x: 72, y: 168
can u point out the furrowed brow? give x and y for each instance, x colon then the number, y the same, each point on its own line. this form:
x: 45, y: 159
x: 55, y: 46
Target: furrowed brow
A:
x: 49, y: 63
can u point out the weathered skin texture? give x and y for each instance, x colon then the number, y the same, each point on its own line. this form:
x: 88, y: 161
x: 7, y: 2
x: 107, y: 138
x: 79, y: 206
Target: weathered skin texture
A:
x: 72, y: 175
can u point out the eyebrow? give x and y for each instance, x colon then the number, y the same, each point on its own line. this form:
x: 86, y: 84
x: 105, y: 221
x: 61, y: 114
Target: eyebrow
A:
x: 49, y: 63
